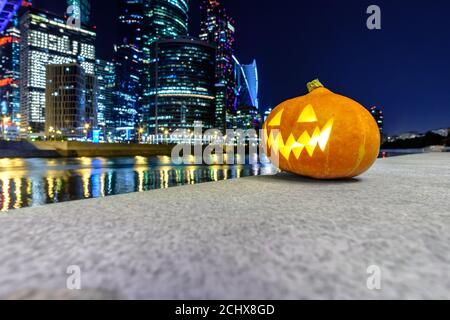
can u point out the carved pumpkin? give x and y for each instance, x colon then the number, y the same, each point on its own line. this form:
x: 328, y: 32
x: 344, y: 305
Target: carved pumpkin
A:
x: 322, y: 135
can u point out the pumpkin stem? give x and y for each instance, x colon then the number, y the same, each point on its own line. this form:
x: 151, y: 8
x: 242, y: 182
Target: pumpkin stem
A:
x: 313, y: 85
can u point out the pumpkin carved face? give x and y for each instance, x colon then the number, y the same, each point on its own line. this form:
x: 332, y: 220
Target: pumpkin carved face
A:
x: 322, y: 135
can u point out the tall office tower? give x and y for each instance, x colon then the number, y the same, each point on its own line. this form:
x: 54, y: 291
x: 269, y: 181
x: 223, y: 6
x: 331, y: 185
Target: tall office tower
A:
x: 46, y: 39
x: 10, y: 68
x: 217, y: 28
x: 267, y: 113
x: 378, y: 115
x: 106, y: 82
x: 91, y: 94
x: 8, y: 9
x: 84, y: 7
x: 10, y: 73
x: 247, y: 101
x: 163, y: 19
x: 68, y: 109
x: 182, y: 91
x: 247, y: 84
x: 128, y: 66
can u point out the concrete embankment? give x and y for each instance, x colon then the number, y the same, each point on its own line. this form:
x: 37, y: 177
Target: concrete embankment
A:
x: 267, y: 237
x: 51, y: 149
x: 56, y: 149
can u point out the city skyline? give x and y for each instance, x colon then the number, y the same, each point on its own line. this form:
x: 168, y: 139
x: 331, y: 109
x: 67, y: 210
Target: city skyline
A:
x: 392, y: 68
x: 383, y: 68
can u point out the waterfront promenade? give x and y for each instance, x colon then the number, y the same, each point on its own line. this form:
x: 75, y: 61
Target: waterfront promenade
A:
x: 267, y: 237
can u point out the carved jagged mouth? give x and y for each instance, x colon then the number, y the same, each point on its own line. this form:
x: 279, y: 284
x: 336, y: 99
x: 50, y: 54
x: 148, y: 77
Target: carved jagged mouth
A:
x: 310, y: 143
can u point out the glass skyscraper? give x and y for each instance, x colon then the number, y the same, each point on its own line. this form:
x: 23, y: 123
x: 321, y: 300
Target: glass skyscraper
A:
x: 10, y: 67
x: 46, y: 39
x: 70, y: 100
x: 247, y: 114
x: 247, y: 84
x: 128, y: 68
x: 182, y: 88
x: 84, y: 7
x: 163, y: 19
x: 378, y: 115
x: 10, y: 73
x: 217, y: 28
x: 8, y: 9
x: 105, y: 72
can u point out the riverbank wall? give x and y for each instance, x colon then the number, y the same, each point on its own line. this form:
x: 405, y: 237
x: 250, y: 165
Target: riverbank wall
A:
x: 56, y: 149
x: 66, y: 149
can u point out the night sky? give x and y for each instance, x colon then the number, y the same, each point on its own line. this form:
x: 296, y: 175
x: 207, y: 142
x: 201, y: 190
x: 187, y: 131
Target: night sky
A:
x: 405, y: 67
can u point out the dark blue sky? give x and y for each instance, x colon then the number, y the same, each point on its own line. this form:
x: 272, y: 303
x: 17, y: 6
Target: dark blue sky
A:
x: 405, y: 67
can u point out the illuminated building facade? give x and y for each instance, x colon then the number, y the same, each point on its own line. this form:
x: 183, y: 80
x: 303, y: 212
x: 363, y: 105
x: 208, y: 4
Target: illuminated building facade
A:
x: 378, y: 114
x: 46, y: 39
x: 128, y: 69
x: 218, y: 29
x: 247, y: 84
x: 246, y: 115
x: 84, y: 7
x: 105, y: 72
x: 10, y: 68
x: 267, y: 113
x: 65, y: 109
x: 163, y: 19
x: 8, y: 9
x: 182, y: 91
x: 91, y: 97
x: 10, y: 73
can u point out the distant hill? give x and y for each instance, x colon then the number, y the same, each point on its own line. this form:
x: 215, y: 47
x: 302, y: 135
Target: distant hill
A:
x: 439, y: 137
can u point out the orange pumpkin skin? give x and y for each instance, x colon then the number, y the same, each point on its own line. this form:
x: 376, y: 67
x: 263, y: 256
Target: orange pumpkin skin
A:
x: 338, y: 139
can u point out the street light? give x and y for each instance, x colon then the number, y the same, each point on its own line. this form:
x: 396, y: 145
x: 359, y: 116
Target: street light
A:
x: 4, y: 120
x: 50, y: 132
x: 140, y: 132
x: 18, y: 125
x: 87, y: 126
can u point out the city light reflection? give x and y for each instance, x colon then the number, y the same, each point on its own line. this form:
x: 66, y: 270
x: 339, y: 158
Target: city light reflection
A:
x: 35, y: 182
x: 5, y: 183
x: 18, y: 193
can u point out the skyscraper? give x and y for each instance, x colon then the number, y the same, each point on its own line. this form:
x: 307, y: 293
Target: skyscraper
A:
x: 267, y: 113
x: 246, y: 115
x: 128, y: 67
x: 163, y: 19
x: 91, y: 94
x: 378, y: 114
x: 66, y: 105
x: 10, y: 68
x: 217, y: 28
x: 8, y: 9
x: 10, y: 73
x: 247, y: 84
x: 106, y: 81
x: 84, y: 7
x: 182, y: 91
x: 46, y: 39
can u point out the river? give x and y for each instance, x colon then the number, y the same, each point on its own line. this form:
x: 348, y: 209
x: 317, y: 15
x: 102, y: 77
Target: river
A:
x: 36, y: 182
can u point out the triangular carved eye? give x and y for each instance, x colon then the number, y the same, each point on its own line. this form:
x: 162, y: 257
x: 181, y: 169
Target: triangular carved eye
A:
x: 276, y: 121
x: 308, y: 115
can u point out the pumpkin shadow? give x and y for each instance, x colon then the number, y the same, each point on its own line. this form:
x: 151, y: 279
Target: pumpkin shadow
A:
x: 289, y: 177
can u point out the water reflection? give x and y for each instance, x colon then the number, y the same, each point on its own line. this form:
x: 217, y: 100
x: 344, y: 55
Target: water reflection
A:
x: 34, y: 182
